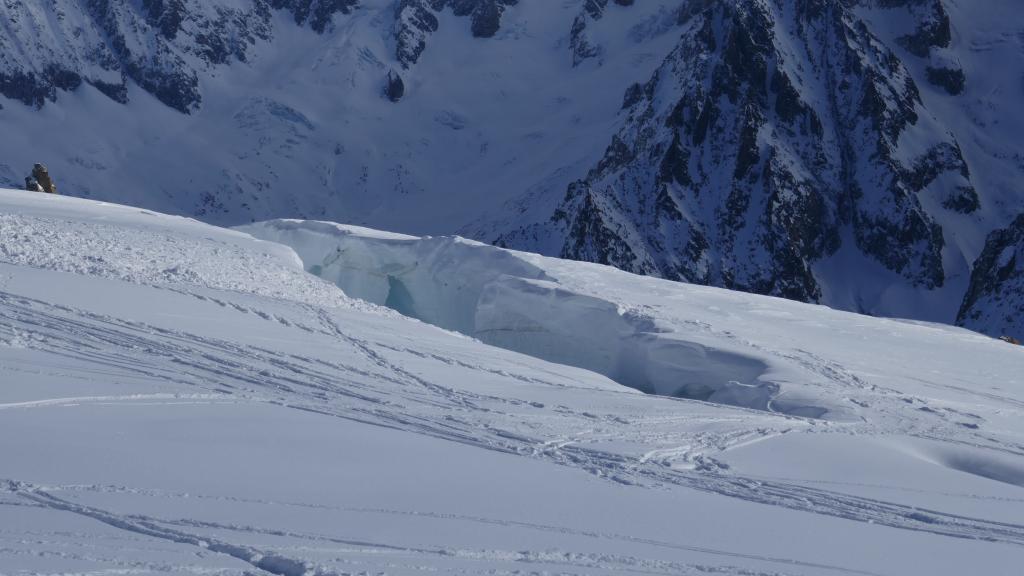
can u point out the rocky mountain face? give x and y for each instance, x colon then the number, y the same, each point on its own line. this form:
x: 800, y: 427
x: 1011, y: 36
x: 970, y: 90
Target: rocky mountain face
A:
x: 165, y: 45
x: 995, y: 299
x: 157, y: 44
x: 583, y: 46
x: 856, y: 153
x: 772, y: 134
x: 417, y: 20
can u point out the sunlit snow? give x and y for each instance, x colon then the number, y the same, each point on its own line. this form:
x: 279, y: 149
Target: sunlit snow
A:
x: 177, y: 398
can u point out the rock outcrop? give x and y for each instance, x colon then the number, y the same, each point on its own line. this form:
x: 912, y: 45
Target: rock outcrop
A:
x: 772, y: 134
x: 582, y: 45
x: 32, y: 185
x: 43, y: 180
x: 394, y: 86
x: 166, y: 45
x: 162, y: 45
x: 416, y: 21
x: 994, y: 303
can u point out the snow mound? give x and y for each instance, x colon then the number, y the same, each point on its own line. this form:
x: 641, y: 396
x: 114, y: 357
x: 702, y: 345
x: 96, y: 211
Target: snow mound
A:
x: 143, y: 247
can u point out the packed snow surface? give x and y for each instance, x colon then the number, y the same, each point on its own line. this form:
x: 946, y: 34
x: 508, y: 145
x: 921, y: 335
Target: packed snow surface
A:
x: 177, y: 398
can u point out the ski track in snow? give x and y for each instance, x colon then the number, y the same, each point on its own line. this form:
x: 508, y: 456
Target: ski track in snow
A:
x: 282, y: 566
x: 356, y: 365
x: 339, y: 391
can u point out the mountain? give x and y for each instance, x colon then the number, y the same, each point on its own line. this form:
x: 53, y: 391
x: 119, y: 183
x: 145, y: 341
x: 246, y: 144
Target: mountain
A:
x: 784, y: 148
x: 854, y: 153
x: 761, y: 140
x: 300, y: 398
x: 293, y: 120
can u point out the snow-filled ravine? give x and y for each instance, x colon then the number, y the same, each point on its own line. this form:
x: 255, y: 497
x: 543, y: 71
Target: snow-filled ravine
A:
x: 306, y: 398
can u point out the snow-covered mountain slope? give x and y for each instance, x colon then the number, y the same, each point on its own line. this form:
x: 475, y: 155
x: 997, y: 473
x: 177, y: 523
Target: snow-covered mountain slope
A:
x: 294, y: 122
x: 855, y: 153
x: 787, y: 148
x: 995, y: 298
x: 178, y: 399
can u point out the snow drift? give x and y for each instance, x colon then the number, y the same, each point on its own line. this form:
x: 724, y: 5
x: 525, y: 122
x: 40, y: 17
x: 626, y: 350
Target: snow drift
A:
x: 516, y: 301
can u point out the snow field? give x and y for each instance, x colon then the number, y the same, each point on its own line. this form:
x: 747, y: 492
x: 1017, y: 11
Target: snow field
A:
x: 244, y: 417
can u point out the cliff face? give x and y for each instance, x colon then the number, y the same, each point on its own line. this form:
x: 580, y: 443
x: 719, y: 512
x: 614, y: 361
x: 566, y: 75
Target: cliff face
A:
x: 162, y: 45
x: 773, y: 132
x: 995, y: 299
x: 165, y: 45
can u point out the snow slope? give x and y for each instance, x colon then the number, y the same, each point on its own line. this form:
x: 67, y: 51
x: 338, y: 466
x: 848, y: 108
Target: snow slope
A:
x: 177, y: 398
x: 300, y: 110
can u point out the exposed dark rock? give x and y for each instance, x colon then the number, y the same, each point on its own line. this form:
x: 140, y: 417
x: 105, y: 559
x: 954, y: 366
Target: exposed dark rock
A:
x: 24, y: 87
x: 675, y: 164
x: 633, y: 95
x: 933, y: 31
x: 964, y: 200
x: 416, y: 20
x: 62, y: 79
x: 394, y: 86
x: 42, y: 179
x: 950, y: 79
x: 940, y: 159
x: 317, y: 13
x: 165, y: 16
x: 35, y: 89
x: 165, y: 45
x: 580, y: 43
x: 725, y: 173
x: 618, y: 155
x: 595, y: 236
x: 163, y: 73
x: 994, y: 303
x: 485, y: 15
x: 748, y: 153
x: 158, y: 44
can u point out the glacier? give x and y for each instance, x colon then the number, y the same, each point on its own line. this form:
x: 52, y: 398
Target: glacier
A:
x: 310, y: 398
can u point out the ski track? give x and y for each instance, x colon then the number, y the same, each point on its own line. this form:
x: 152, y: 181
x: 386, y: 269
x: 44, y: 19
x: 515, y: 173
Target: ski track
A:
x: 18, y: 488
x: 177, y: 531
x: 135, y: 399
x: 385, y: 394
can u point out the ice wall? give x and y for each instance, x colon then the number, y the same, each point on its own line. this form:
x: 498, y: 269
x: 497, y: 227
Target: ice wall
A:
x: 503, y: 299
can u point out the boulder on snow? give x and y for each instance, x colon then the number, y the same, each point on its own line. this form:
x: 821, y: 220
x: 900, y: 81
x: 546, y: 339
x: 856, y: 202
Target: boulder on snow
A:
x: 42, y: 178
x: 394, y: 87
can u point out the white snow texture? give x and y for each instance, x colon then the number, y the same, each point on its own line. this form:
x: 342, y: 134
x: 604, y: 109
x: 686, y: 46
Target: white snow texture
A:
x: 177, y: 398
